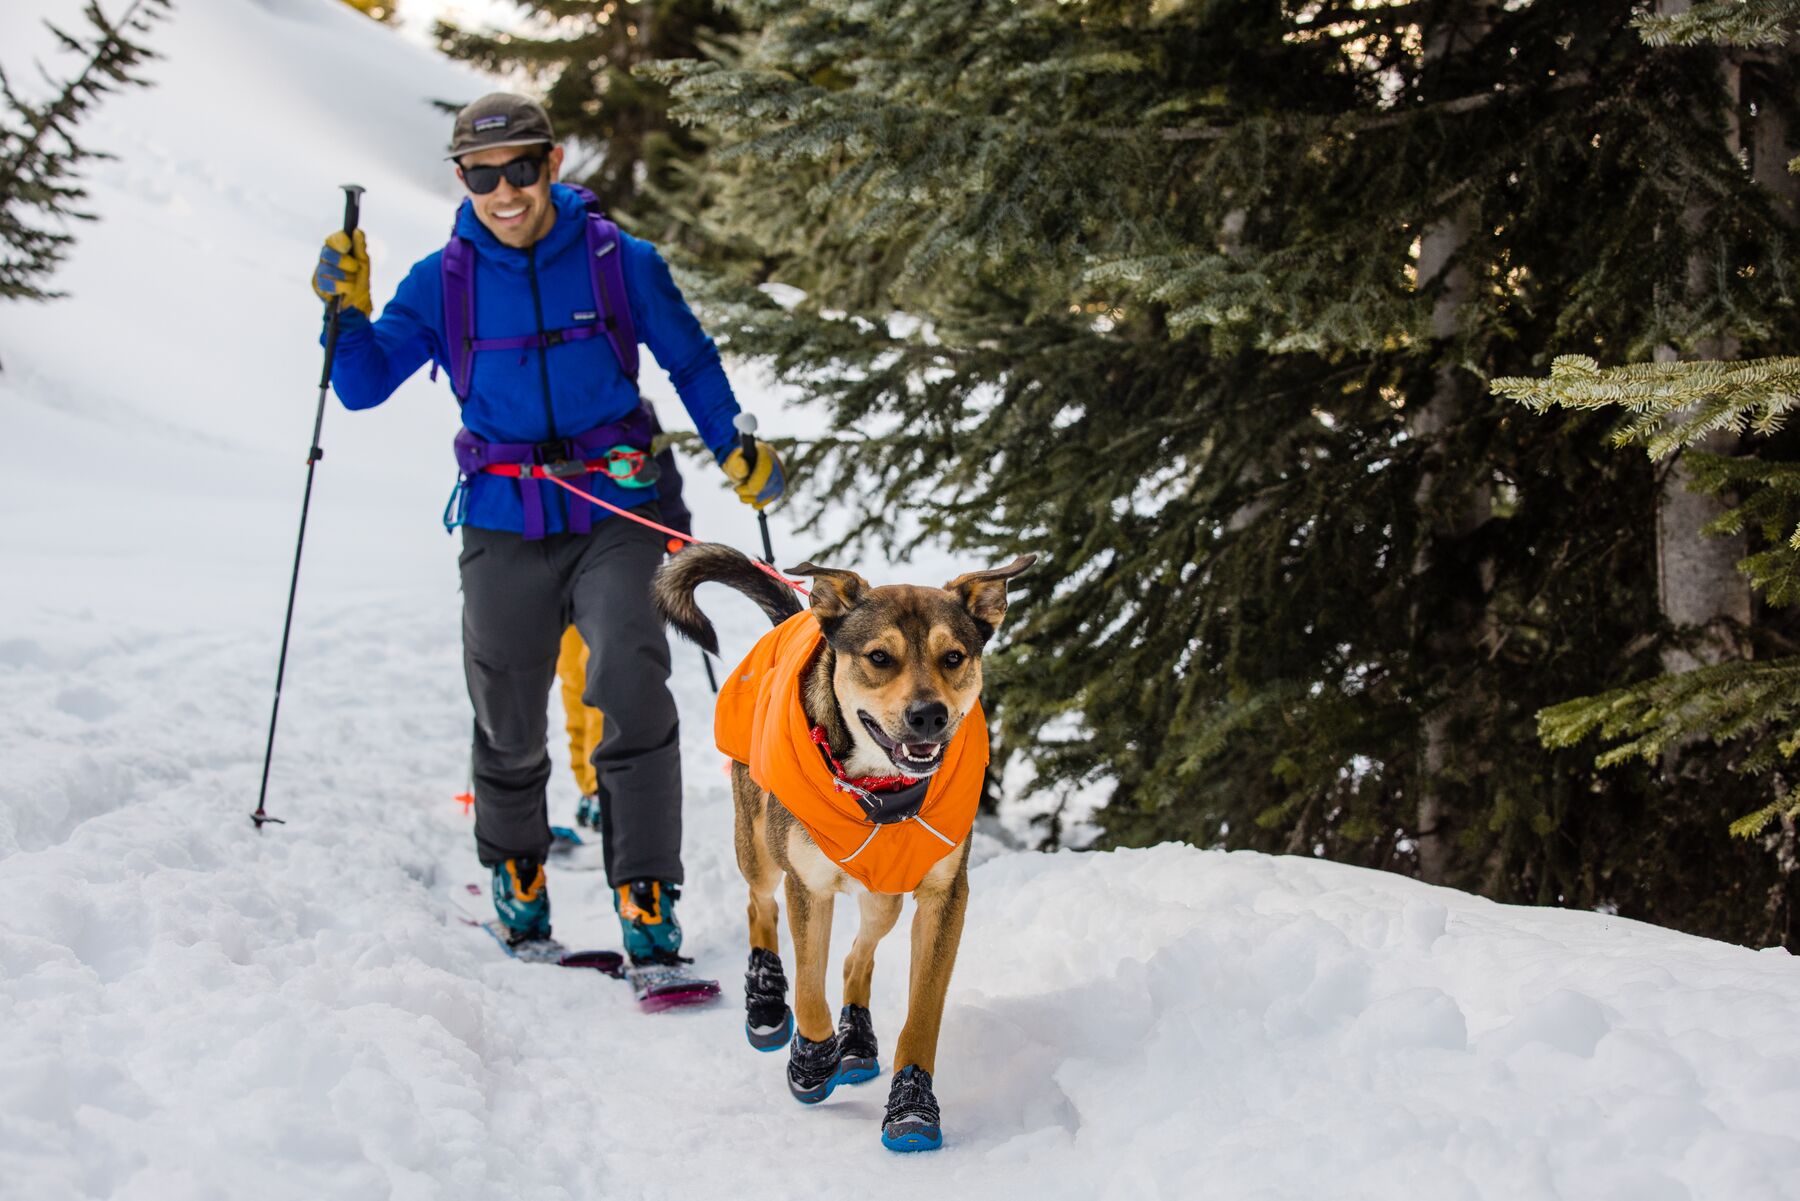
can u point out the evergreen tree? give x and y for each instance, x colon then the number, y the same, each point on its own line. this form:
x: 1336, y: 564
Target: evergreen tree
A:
x: 40, y: 155
x: 1729, y: 692
x: 1198, y: 298
x: 582, y: 55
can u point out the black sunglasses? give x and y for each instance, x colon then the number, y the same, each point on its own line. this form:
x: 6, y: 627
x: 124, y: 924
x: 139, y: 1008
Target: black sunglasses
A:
x: 519, y: 172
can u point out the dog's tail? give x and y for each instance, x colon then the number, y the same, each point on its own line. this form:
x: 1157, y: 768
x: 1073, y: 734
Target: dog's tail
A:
x: 673, y: 586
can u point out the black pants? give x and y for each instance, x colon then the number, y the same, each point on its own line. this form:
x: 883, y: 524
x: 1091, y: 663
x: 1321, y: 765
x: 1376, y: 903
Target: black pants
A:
x: 518, y: 597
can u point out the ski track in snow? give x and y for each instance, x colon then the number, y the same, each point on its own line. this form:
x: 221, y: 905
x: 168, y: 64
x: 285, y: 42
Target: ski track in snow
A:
x: 191, y: 1010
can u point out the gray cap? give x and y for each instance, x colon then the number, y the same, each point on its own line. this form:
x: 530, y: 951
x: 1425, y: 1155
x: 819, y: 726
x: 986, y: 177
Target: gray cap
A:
x: 500, y: 119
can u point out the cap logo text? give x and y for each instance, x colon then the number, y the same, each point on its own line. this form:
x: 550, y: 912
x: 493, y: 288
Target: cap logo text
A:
x: 483, y: 124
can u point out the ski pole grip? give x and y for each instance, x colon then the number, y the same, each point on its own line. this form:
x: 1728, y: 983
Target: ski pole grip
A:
x: 745, y: 423
x: 352, y: 205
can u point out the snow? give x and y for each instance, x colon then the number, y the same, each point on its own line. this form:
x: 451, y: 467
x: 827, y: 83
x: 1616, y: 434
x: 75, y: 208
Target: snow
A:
x: 191, y: 1010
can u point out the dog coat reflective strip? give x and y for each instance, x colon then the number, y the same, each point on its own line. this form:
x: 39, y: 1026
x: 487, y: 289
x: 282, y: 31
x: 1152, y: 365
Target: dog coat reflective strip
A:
x: 760, y: 723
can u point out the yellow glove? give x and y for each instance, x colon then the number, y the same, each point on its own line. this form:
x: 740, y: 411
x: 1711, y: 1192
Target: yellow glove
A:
x: 343, y: 271
x: 760, y: 485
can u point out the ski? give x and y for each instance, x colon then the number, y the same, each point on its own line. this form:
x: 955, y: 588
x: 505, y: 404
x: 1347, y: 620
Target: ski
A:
x: 549, y: 950
x: 661, y: 985
x: 658, y: 985
x: 536, y: 950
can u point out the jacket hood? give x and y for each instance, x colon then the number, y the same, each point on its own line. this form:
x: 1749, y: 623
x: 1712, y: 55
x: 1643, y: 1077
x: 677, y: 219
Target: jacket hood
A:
x: 571, y: 210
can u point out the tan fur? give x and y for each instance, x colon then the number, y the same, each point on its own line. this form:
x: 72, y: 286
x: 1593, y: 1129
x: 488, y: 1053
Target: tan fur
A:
x: 773, y: 845
x: 933, y: 640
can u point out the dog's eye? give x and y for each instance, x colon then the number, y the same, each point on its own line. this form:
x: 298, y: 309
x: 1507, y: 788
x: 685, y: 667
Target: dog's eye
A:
x: 880, y: 658
x: 954, y: 659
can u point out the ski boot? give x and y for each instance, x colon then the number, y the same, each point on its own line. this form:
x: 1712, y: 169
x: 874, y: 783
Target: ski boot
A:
x: 522, y: 900
x: 587, y: 811
x: 812, y: 1069
x: 768, y: 1022
x: 911, y: 1122
x: 646, y: 910
x: 860, y: 1054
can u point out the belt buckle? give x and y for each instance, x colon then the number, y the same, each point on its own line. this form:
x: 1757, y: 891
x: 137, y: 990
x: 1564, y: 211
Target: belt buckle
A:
x: 554, y: 461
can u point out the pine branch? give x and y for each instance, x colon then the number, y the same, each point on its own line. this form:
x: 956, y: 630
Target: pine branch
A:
x: 1723, y: 702
x: 1724, y: 23
x: 39, y: 152
x: 1744, y: 396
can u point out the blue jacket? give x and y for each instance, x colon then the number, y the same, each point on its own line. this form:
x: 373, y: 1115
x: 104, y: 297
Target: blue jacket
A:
x: 507, y: 392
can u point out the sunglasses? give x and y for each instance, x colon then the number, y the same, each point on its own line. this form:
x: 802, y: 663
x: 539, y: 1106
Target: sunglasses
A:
x: 519, y: 172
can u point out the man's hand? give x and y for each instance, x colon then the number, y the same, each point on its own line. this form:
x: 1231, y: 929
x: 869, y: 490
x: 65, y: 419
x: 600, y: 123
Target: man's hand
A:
x: 760, y: 485
x: 343, y: 271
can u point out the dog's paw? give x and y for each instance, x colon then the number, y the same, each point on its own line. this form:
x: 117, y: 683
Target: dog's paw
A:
x: 812, y: 1069
x: 911, y: 1122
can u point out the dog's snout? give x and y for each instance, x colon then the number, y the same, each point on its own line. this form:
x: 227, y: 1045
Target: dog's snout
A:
x: 927, y: 721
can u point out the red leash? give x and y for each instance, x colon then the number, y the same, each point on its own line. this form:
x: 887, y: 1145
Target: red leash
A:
x: 765, y: 568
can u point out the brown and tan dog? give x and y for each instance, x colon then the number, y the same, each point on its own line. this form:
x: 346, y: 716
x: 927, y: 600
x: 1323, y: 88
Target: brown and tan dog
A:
x: 888, y: 680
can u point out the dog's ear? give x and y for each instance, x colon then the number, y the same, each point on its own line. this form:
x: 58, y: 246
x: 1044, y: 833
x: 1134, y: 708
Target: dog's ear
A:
x: 983, y: 593
x: 834, y: 592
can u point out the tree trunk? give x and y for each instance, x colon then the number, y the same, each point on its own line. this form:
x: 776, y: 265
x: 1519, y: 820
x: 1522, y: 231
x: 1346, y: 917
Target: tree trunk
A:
x: 1699, y: 589
x: 1463, y: 23
x: 1771, y: 149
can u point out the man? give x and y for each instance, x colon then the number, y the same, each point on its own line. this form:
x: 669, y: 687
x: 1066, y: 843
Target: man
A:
x: 548, y: 389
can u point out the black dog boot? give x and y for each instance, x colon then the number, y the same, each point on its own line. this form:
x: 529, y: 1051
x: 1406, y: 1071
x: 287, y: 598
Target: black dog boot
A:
x: 859, y: 1053
x: 812, y: 1068
x: 911, y: 1123
x: 768, y: 1023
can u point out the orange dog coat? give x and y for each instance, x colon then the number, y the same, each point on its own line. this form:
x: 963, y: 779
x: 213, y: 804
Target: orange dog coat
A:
x: 760, y: 723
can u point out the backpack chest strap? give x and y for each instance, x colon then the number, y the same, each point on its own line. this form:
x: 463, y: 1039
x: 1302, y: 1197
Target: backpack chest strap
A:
x: 554, y: 337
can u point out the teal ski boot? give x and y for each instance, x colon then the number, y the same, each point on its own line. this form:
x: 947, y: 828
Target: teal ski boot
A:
x: 522, y: 900
x: 646, y: 910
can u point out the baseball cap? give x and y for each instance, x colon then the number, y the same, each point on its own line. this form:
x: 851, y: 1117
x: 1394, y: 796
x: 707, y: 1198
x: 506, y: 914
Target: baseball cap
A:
x: 500, y: 119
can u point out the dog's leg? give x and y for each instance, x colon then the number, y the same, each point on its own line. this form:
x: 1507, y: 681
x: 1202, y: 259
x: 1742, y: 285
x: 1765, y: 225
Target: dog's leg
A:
x: 936, y: 930
x: 809, y: 921
x: 768, y: 1024
x: 761, y: 872
x: 879, y: 913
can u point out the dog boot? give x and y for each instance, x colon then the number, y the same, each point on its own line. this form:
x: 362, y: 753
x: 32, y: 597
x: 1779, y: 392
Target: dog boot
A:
x: 859, y: 1053
x: 522, y: 900
x: 646, y: 910
x: 911, y: 1123
x: 768, y: 1022
x: 812, y: 1068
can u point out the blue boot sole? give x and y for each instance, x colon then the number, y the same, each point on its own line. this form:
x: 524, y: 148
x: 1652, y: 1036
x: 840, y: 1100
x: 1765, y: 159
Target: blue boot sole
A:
x: 776, y: 1039
x: 816, y: 1094
x: 914, y: 1140
x: 857, y: 1071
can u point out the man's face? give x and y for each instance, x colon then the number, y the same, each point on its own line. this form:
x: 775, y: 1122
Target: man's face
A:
x: 516, y: 216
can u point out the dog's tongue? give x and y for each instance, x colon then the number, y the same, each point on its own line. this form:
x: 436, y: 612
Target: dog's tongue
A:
x: 919, y: 751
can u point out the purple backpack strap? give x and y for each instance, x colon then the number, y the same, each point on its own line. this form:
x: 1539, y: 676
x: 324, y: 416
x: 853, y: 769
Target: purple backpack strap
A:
x: 458, y: 272
x: 606, y: 267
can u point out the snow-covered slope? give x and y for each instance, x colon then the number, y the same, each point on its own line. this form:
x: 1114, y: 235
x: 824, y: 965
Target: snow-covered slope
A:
x: 189, y: 1010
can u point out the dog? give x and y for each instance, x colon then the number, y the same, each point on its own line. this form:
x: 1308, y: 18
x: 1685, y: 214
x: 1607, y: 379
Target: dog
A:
x: 858, y: 749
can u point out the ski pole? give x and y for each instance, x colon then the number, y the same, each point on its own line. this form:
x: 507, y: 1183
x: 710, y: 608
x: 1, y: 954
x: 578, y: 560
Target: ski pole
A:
x: 352, y: 210
x: 746, y: 428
